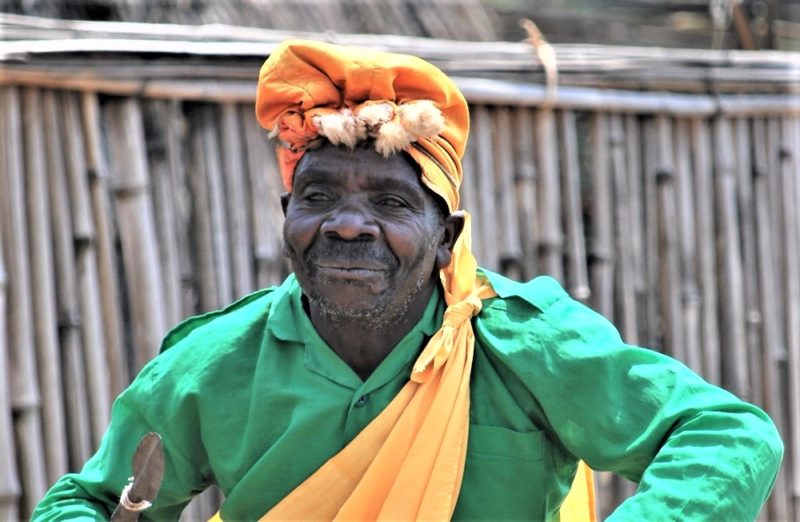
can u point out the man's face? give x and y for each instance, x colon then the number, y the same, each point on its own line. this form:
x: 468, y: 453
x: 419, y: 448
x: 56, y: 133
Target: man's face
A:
x: 364, y: 237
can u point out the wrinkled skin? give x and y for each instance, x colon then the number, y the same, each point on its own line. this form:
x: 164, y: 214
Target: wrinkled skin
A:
x: 366, y: 241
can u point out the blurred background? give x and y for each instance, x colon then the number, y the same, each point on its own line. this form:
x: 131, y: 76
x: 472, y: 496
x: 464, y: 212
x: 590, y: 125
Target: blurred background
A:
x: 650, y: 163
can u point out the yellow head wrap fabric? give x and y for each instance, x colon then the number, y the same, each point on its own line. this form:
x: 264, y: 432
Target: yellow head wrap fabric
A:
x: 408, y: 463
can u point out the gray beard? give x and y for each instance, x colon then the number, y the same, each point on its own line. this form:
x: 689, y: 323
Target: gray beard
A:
x: 378, y: 317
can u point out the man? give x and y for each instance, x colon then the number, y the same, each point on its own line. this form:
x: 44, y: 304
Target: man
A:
x: 391, y: 378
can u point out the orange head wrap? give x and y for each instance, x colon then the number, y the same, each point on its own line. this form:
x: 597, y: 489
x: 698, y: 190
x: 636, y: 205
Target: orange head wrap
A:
x: 373, y: 95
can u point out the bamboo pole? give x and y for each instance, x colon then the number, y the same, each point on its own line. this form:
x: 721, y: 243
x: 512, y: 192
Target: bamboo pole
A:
x: 687, y: 239
x: 668, y: 242
x: 768, y: 287
x: 634, y: 176
x: 732, y: 316
x: 166, y: 197
x: 756, y: 354
x: 601, y: 250
x: 706, y: 256
x: 221, y: 267
x: 136, y: 228
x: 469, y: 199
x: 525, y: 181
x: 508, y: 231
x: 85, y: 244
x: 790, y: 166
x: 267, y: 217
x: 99, y: 189
x: 577, y: 270
x: 653, y: 334
x: 10, y: 488
x: 484, y: 157
x: 203, y: 241
x: 551, y: 237
x: 237, y: 205
x: 41, y: 260
x: 75, y: 397
x: 624, y: 278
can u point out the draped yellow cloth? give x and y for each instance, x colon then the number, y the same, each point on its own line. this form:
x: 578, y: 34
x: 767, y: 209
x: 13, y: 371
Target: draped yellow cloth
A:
x: 408, y: 463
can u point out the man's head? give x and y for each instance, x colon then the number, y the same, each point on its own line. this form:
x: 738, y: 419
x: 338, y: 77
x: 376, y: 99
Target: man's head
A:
x: 365, y: 237
x: 377, y: 140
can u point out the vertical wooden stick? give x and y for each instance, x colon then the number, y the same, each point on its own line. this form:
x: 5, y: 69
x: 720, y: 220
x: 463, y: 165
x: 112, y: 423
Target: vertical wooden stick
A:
x: 43, y: 286
x: 510, y: 252
x: 577, y: 270
x: 10, y: 488
x: 482, y: 136
x: 732, y: 318
x: 136, y: 228
x: 706, y: 256
x: 602, y: 249
x: 85, y: 244
x: 550, y: 234
x: 98, y: 178
x: 525, y: 189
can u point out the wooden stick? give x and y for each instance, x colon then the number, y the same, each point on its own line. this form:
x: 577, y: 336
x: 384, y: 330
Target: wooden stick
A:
x: 790, y: 166
x: 98, y: 178
x: 744, y: 179
x: 768, y: 288
x: 525, y: 189
x: 651, y: 335
x: 624, y: 278
x: 706, y: 257
x: 10, y: 489
x: 732, y: 317
x: 43, y: 286
x: 634, y: 175
x: 470, y: 201
x: 267, y: 216
x: 84, y: 237
x: 72, y: 371
x: 237, y: 204
x: 601, y: 250
x: 549, y: 191
x: 578, y: 280
x: 136, y: 228
x: 508, y: 232
x: 687, y: 240
x: 484, y: 157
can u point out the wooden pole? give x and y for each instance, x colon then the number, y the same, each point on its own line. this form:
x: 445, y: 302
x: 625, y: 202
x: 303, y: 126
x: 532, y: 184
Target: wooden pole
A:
x: 551, y: 237
x: 578, y: 279
x: 107, y: 269
x: 48, y: 353
x: 732, y: 317
x: 778, y: 506
x: 9, y: 479
x: 687, y: 240
x: 525, y: 181
x: 790, y: 166
x: 72, y: 370
x: 634, y: 175
x: 484, y: 157
x: 85, y: 244
x: 126, y: 140
x: 237, y: 205
x: 601, y: 250
x: 469, y: 199
x: 706, y: 256
x: 23, y: 378
x: 508, y: 231
x: 624, y: 277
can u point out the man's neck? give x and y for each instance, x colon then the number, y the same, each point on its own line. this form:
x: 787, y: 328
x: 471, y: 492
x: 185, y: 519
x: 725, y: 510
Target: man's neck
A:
x: 364, y: 346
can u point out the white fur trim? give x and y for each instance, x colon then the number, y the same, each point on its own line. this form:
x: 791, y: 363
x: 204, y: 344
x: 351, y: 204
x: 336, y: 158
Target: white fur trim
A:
x: 421, y: 118
x: 340, y: 128
x: 392, y: 138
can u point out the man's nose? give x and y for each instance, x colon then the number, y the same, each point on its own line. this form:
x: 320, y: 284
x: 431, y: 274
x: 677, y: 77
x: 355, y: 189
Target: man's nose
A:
x: 351, y: 224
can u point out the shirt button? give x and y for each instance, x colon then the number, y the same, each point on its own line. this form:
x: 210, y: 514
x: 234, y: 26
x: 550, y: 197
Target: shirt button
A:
x: 362, y: 400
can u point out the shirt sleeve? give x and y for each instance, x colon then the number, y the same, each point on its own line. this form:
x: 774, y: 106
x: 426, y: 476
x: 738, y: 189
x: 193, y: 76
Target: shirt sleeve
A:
x: 697, y: 452
x: 151, y: 403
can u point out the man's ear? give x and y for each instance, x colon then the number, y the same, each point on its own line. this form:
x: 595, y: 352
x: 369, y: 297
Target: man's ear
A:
x: 285, y: 197
x: 453, y: 226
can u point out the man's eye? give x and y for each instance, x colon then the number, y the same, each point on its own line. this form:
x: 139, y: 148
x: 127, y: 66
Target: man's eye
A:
x: 391, y: 201
x: 317, y: 197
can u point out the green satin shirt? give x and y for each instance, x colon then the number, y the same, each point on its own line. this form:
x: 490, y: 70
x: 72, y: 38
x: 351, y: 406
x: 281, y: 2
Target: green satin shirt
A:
x: 251, y: 399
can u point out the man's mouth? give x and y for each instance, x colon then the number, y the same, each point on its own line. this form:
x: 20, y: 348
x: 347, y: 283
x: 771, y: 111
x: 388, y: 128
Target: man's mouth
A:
x: 350, y: 270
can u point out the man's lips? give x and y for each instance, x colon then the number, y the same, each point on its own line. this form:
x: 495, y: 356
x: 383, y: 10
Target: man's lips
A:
x: 350, y: 269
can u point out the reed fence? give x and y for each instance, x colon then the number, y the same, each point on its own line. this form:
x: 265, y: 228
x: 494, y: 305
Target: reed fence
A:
x: 136, y: 189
